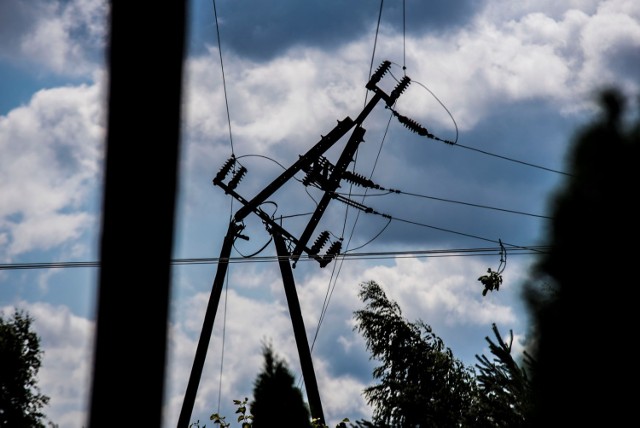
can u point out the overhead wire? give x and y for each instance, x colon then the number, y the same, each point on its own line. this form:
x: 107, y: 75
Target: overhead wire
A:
x: 337, y: 266
x: 452, y: 201
x: 454, y: 252
x: 226, y: 285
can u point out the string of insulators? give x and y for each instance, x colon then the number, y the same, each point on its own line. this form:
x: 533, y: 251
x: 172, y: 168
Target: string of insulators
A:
x: 359, y: 180
x: 399, y: 89
x: 320, y: 241
x: 379, y: 73
x: 222, y: 174
x: 417, y: 128
x: 237, y: 177
x: 332, y: 252
x: 412, y: 125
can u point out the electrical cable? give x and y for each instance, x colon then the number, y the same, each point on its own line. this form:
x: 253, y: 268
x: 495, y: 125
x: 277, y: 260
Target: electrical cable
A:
x: 520, y: 249
x: 375, y: 42
x: 224, y: 83
x: 513, y: 160
x: 226, y: 286
x: 400, y: 192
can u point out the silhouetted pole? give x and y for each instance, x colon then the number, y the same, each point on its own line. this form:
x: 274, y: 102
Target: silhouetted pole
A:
x: 299, y: 332
x: 145, y: 59
x: 207, y: 328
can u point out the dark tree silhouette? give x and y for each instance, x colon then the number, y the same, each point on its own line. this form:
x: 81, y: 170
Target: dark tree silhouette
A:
x: 505, y: 394
x: 276, y: 399
x: 582, y: 297
x: 20, y: 360
x: 420, y: 382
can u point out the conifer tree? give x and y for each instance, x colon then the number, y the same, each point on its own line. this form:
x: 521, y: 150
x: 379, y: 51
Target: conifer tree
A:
x: 277, y: 401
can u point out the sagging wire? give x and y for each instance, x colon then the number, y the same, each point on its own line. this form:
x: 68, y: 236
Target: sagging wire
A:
x: 246, y: 238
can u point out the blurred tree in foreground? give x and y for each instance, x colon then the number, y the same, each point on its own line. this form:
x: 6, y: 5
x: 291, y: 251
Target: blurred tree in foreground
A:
x: 20, y: 360
x: 581, y: 296
x: 276, y: 398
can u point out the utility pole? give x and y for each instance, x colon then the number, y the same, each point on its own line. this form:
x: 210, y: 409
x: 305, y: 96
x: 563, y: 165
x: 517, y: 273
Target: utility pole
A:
x: 327, y: 177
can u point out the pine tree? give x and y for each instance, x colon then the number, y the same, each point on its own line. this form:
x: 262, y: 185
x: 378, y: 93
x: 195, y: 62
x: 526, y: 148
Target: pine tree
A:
x: 276, y: 399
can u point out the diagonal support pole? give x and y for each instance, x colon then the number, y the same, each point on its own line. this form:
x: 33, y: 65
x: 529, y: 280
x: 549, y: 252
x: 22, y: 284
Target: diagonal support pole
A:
x: 298, y: 329
x: 207, y: 327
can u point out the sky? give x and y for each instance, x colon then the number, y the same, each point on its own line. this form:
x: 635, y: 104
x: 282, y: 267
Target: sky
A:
x: 509, y: 82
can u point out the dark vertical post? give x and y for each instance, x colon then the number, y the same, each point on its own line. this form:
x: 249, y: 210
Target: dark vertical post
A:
x: 145, y: 59
x: 207, y: 328
x: 298, y: 328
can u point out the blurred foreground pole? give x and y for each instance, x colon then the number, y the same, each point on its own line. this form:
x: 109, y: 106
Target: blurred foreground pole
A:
x: 145, y: 60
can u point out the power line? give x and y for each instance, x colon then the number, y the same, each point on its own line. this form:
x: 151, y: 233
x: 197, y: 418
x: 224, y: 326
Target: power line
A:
x: 417, y: 195
x: 513, y: 160
x: 457, y: 252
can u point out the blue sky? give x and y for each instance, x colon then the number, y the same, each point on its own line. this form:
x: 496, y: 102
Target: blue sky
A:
x: 512, y: 79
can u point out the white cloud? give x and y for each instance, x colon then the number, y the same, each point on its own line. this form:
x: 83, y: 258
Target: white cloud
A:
x: 64, y: 36
x: 534, y: 54
x: 556, y: 54
x: 52, y: 151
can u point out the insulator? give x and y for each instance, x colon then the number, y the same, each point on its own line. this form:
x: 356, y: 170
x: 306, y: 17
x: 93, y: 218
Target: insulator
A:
x: 379, y: 73
x: 334, y: 249
x: 359, y: 180
x: 399, y: 89
x: 237, y: 177
x: 320, y: 241
x: 222, y: 174
x: 413, y: 125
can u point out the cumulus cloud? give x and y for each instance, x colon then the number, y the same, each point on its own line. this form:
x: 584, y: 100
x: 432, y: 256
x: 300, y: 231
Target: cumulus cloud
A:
x: 63, y: 37
x: 51, y: 163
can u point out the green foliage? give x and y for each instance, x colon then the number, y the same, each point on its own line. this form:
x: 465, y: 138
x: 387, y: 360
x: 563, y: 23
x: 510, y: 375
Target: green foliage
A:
x: 20, y: 354
x: 245, y: 418
x: 420, y: 382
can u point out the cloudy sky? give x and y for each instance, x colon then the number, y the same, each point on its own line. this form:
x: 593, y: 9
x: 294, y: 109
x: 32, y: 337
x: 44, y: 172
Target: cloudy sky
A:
x: 509, y: 82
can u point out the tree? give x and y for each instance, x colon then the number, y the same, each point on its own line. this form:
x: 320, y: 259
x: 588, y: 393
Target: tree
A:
x: 20, y: 398
x: 276, y: 398
x: 580, y: 298
x: 420, y: 381
x: 504, y: 387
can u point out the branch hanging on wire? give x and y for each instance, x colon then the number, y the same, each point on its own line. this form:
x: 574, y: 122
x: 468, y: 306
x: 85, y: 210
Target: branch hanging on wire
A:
x: 493, y: 279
